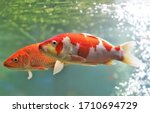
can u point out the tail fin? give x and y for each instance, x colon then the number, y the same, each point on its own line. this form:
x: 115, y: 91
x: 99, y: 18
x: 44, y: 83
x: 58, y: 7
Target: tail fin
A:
x: 128, y: 58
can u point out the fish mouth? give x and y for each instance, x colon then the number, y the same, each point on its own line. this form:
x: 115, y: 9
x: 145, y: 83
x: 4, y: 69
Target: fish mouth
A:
x: 11, y: 67
x: 42, y: 48
x: 47, y: 49
x: 7, y: 65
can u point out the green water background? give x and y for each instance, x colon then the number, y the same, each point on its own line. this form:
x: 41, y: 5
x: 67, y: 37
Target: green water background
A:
x: 23, y: 22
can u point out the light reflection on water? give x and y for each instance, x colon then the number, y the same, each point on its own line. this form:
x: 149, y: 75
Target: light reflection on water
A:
x: 136, y: 14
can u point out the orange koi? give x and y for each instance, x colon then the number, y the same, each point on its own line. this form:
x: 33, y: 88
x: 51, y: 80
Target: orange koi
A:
x: 29, y: 58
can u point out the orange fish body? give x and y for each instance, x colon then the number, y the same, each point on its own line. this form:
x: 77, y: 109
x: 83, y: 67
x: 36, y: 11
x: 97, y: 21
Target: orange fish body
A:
x: 85, y: 49
x: 29, y: 58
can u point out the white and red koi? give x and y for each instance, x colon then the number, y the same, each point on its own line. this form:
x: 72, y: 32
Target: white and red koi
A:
x: 86, y: 49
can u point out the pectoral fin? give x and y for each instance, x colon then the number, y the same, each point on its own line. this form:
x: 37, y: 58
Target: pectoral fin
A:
x: 58, y: 67
x: 30, y: 75
x: 77, y: 58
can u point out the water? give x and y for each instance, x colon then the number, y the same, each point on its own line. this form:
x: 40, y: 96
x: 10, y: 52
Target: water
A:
x: 29, y: 21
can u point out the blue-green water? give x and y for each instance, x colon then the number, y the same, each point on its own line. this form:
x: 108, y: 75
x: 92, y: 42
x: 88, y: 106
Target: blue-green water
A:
x: 23, y: 22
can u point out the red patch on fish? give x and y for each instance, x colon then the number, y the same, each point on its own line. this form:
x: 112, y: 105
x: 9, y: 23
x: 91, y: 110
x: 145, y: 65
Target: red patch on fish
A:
x: 117, y: 48
x: 59, y: 48
x: 83, y: 51
x: 93, y: 41
x: 85, y: 42
x: 107, y: 45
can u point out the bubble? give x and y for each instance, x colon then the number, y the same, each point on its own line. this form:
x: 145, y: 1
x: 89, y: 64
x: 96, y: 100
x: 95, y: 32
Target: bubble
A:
x: 81, y: 11
x: 44, y: 6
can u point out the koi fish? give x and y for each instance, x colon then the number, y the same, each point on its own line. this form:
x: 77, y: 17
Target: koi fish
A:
x: 86, y: 49
x: 29, y: 58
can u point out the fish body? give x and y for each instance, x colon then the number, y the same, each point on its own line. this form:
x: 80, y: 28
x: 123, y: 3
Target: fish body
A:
x: 85, y: 49
x: 29, y: 58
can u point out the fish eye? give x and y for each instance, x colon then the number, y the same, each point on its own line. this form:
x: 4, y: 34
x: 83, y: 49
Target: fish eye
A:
x: 15, y: 60
x: 54, y: 43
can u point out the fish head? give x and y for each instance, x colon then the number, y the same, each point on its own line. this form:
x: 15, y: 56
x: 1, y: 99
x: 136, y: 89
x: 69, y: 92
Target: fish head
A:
x: 18, y: 60
x: 54, y: 47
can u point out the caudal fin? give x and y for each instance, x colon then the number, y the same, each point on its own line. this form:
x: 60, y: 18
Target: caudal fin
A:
x: 128, y: 57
